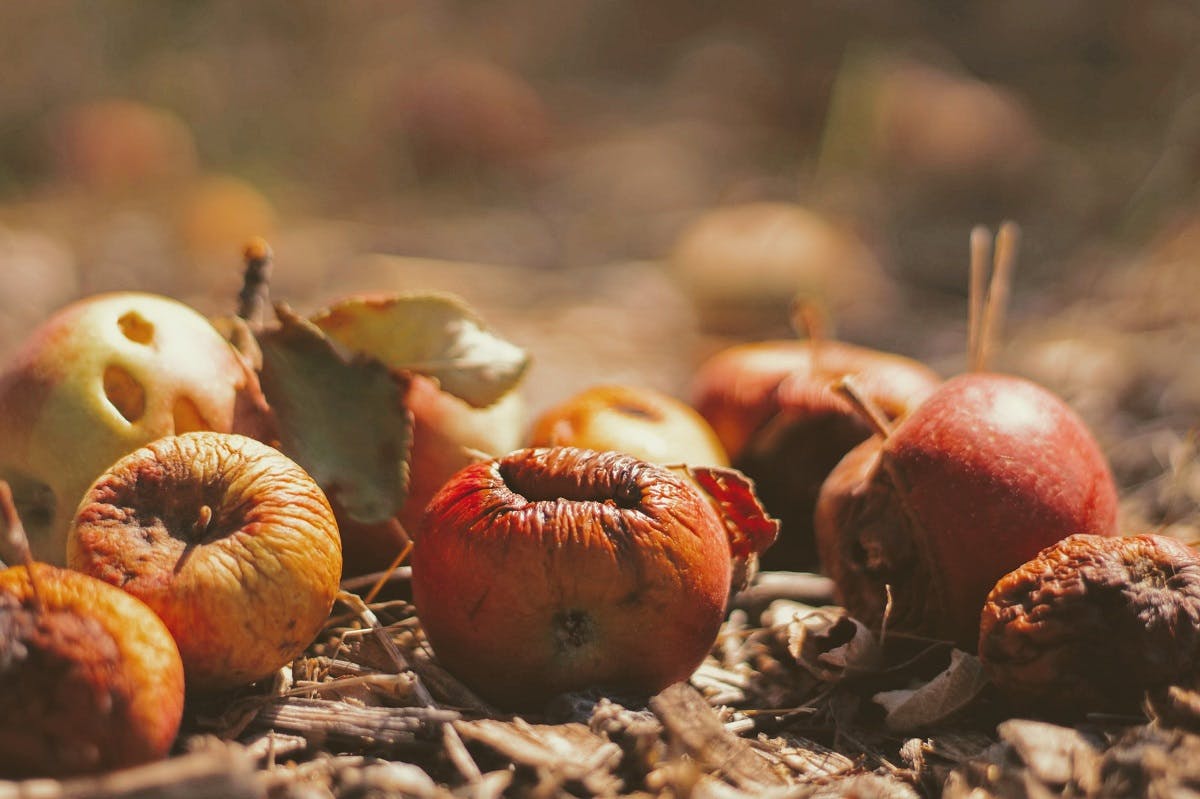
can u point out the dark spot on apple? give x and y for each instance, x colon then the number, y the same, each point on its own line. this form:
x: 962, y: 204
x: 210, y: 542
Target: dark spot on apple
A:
x: 136, y: 328
x: 573, y: 629
x: 124, y: 392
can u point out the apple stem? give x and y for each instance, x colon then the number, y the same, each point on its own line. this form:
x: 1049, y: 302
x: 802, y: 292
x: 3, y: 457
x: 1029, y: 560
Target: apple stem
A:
x: 868, y: 410
x: 17, y: 541
x: 981, y: 246
x: 256, y: 280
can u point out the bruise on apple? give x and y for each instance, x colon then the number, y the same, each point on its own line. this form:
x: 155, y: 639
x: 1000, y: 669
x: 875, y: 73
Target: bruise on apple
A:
x: 1092, y: 623
x: 559, y: 569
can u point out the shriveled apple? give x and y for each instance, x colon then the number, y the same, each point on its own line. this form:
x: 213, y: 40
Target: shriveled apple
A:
x: 92, y: 680
x: 101, y: 377
x: 558, y: 569
x: 230, y: 542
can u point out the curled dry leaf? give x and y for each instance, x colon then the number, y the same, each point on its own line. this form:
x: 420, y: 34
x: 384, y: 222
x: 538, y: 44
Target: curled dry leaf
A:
x: 343, y: 420
x: 750, y: 529
x: 832, y: 645
x: 936, y: 701
x: 433, y: 334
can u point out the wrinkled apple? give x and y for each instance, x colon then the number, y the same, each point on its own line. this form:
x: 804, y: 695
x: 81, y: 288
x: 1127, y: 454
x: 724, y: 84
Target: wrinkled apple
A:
x: 92, y: 680
x: 229, y: 541
x: 559, y: 569
x: 101, y: 377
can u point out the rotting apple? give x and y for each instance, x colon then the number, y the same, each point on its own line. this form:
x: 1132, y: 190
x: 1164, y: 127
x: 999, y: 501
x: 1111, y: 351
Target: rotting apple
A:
x: 92, y: 678
x: 774, y: 407
x: 559, y: 569
x: 919, y: 525
x: 227, y: 539
x: 636, y: 420
x: 101, y: 377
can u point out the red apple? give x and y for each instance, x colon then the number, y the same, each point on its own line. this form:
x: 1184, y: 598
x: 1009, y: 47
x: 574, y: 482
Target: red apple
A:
x: 636, y: 420
x: 559, y: 569
x: 986, y: 473
x: 228, y: 540
x: 774, y: 407
x: 100, y: 378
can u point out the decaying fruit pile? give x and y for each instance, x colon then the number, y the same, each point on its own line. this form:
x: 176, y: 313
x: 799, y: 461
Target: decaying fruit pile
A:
x: 324, y: 555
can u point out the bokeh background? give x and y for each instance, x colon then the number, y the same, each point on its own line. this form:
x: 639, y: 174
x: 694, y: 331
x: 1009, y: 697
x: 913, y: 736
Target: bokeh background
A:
x: 624, y: 187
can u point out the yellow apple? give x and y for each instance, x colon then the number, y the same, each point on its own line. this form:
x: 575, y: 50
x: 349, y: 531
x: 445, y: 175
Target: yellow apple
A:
x: 100, y: 378
x: 636, y: 420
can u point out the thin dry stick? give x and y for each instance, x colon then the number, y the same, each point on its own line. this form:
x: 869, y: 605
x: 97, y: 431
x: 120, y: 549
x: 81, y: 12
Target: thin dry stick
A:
x: 997, y: 296
x: 868, y: 410
x: 17, y: 541
x: 387, y: 573
x: 255, y: 293
x: 809, y: 322
x: 981, y: 253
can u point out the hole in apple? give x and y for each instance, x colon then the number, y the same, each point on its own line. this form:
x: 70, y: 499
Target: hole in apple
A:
x: 187, y: 417
x: 124, y: 392
x: 136, y: 328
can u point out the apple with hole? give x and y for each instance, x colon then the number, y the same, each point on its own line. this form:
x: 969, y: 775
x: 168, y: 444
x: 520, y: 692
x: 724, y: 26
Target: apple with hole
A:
x: 774, y: 407
x: 92, y: 678
x: 101, y: 377
x: 558, y: 569
x: 228, y: 540
x: 636, y: 420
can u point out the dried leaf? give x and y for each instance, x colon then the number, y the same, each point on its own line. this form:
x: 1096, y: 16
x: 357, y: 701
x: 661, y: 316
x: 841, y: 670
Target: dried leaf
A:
x: 832, y: 645
x: 750, y: 529
x: 344, y: 421
x: 432, y: 334
x: 936, y: 700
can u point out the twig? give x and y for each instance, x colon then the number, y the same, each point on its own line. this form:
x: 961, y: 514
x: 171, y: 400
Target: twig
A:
x: 395, y: 564
x: 255, y: 294
x: 18, y: 541
x: 981, y: 251
x: 868, y: 410
x: 998, y: 289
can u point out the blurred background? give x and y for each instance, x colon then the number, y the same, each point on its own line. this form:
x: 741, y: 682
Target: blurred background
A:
x: 624, y: 187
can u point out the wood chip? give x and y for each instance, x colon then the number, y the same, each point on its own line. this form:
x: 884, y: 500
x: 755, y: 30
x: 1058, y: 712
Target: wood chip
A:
x: 695, y: 728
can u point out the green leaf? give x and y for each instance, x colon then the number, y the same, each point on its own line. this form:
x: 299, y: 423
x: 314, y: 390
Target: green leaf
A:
x: 343, y: 420
x: 432, y: 334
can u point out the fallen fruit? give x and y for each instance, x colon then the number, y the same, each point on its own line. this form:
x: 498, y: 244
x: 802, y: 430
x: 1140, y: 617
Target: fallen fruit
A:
x: 228, y: 540
x: 559, y: 569
x: 775, y: 409
x: 1092, y: 623
x: 92, y: 680
x: 982, y: 476
x: 636, y: 420
x: 100, y: 378
x: 743, y: 264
